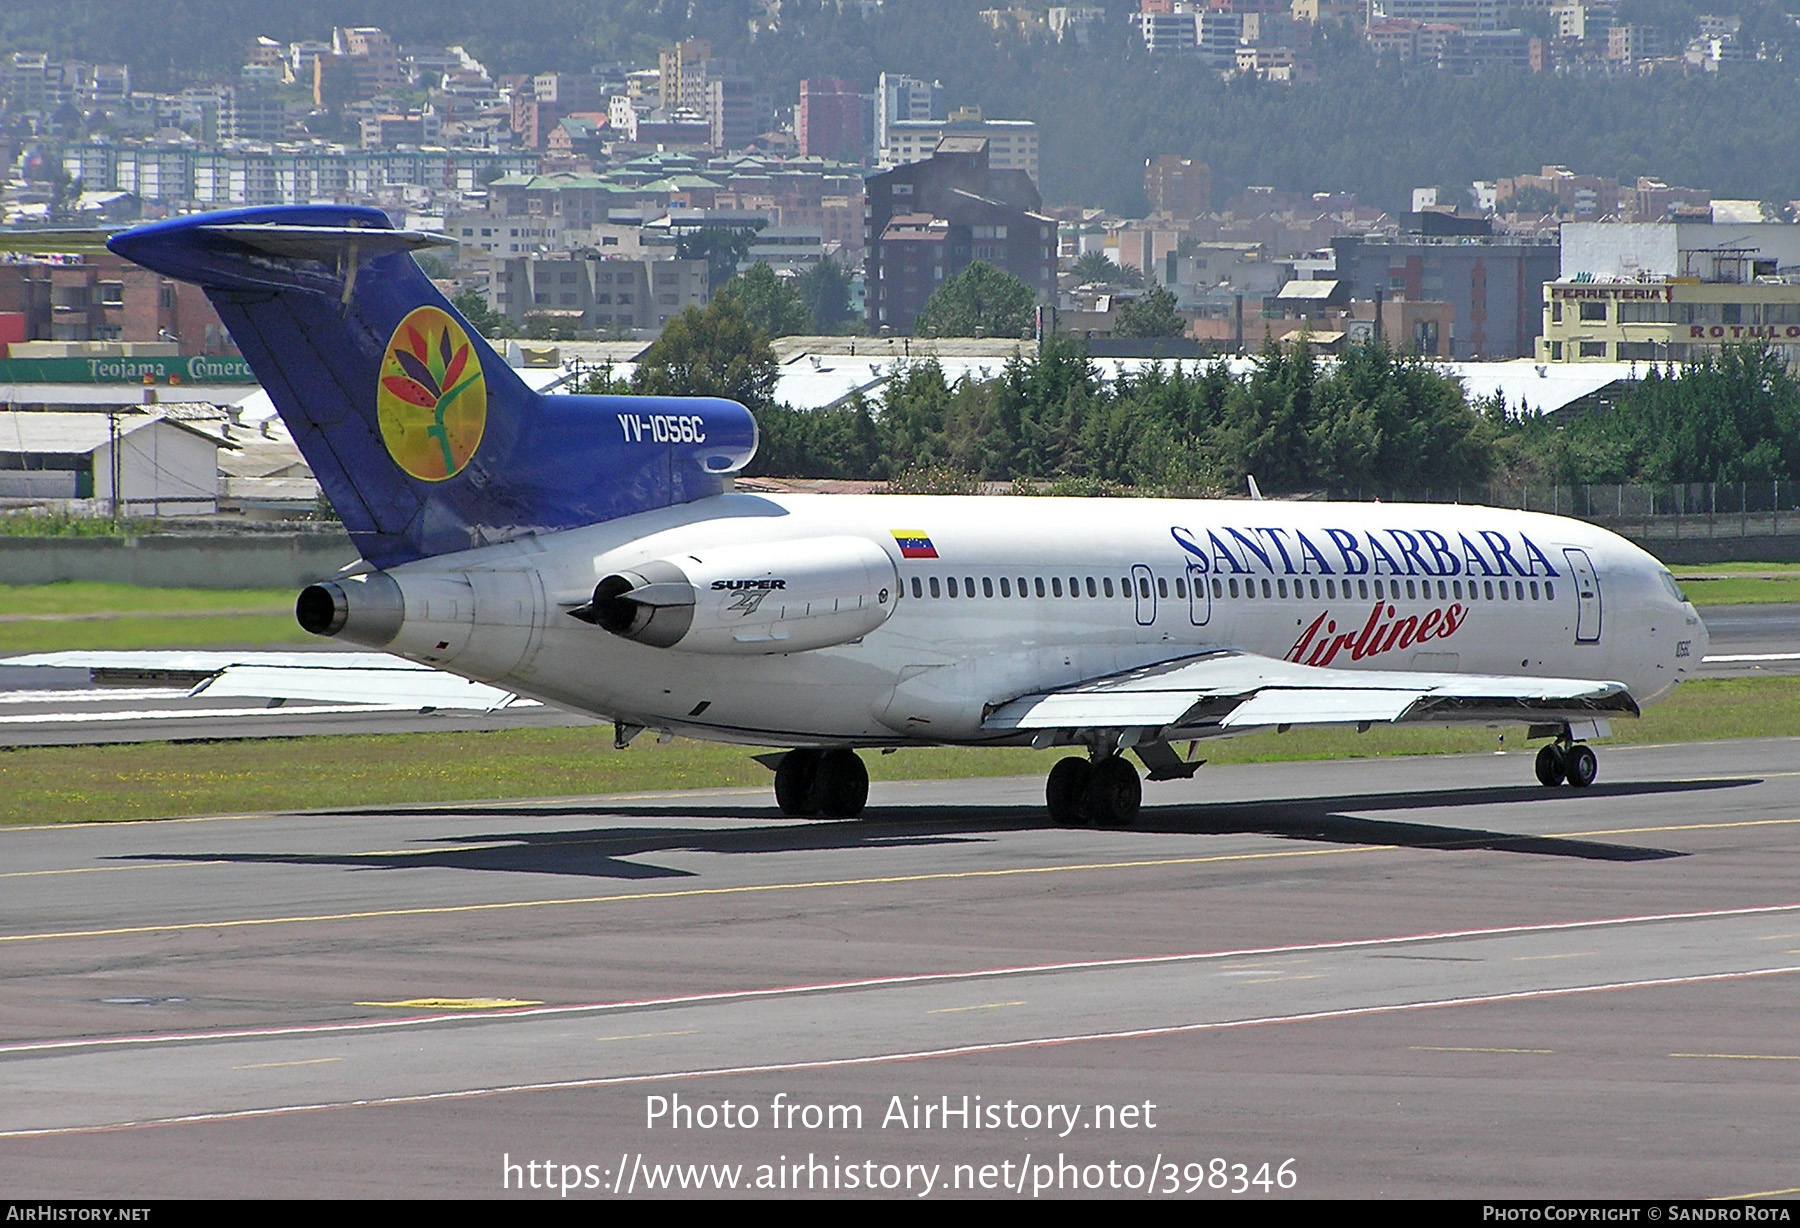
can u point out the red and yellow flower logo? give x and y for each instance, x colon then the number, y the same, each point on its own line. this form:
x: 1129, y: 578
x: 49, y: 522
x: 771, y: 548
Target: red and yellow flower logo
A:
x: 432, y: 402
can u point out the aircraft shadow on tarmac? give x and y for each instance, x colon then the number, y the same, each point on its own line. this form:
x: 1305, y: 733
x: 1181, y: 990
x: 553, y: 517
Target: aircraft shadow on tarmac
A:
x: 603, y: 852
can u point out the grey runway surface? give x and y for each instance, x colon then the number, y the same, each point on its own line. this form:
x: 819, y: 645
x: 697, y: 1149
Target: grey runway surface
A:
x: 1403, y: 977
x: 1745, y: 640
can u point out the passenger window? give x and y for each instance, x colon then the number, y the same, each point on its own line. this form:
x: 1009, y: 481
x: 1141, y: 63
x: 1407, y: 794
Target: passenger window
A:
x: 952, y: 583
x: 1519, y: 589
x: 1362, y: 587
x: 1056, y: 586
x: 1181, y: 588
x: 1143, y: 588
x: 1234, y: 591
x: 1412, y: 593
x: 934, y: 586
x: 1314, y: 586
x: 1106, y: 586
x: 1281, y: 588
x: 1549, y: 591
x: 1443, y: 592
x: 1074, y: 586
x: 1456, y: 587
x: 915, y: 587
x: 969, y: 585
x: 1265, y: 588
x: 1534, y: 590
x: 1503, y: 594
x: 1040, y: 586
x: 1005, y: 587
x: 1093, y: 589
x: 987, y: 586
x: 1162, y: 587
x: 1219, y: 589
x: 1024, y: 589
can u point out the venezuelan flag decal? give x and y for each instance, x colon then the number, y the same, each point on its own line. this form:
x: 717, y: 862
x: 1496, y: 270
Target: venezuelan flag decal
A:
x: 432, y: 401
x: 914, y: 544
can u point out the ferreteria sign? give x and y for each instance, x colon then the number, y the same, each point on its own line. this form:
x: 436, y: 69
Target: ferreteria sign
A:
x: 1613, y: 290
x: 171, y: 371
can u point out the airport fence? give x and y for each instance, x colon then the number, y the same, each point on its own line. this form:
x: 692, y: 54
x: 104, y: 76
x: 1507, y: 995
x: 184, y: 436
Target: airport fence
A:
x: 1668, y: 511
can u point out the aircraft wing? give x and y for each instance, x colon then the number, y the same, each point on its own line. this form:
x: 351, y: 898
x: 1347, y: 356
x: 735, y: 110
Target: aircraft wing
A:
x: 1236, y: 691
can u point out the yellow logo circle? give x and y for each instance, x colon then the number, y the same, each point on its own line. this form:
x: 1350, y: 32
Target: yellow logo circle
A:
x: 432, y: 400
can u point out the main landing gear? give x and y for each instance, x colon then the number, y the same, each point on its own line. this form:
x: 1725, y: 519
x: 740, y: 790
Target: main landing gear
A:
x: 1105, y: 792
x: 1564, y: 760
x: 829, y: 784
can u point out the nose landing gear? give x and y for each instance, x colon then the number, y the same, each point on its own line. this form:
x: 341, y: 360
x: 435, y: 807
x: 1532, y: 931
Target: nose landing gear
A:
x: 1566, y: 761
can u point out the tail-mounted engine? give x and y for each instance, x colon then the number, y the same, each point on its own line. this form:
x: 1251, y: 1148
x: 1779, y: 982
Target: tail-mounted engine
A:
x: 751, y: 600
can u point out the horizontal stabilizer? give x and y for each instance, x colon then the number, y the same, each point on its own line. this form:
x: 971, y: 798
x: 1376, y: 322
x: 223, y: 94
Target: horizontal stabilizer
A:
x: 325, y: 243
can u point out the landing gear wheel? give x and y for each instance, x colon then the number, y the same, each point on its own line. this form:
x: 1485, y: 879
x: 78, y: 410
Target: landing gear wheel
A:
x: 840, y: 786
x: 1113, y: 793
x: 794, y: 779
x: 1583, y: 765
x: 1063, y: 791
x: 1550, y: 766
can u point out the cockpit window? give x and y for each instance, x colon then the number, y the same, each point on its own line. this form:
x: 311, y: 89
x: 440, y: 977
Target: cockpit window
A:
x: 1669, y: 585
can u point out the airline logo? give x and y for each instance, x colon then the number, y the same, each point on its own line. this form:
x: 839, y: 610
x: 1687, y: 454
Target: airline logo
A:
x: 1383, y: 631
x: 432, y: 399
x: 1280, y: 550
x: 914, y: 544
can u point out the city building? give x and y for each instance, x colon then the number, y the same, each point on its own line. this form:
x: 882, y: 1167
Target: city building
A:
x: 927, y: 221
x: 829, y: 120
x: 1494, y: 282
x: 1012, y: 143
x: 1672, y: 291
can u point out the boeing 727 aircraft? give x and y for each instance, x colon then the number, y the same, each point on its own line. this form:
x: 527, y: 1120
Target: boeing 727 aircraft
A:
x: 588, y: 552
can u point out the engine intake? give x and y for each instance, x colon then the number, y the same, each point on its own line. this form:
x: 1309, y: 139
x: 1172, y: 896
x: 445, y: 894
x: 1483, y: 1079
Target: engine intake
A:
x: 751, y: 600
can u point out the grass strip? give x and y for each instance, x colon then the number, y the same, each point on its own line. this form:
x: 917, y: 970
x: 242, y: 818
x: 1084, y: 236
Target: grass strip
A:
x: 150, y: 780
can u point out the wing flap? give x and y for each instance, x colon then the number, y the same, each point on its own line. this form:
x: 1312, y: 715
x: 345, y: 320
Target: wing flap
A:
x: 1237, y: 691
x: 410, y: 688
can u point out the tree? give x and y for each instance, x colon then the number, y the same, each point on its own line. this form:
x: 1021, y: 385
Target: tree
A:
x: 1152, y: 315
x: 482, y: 318
x: 711, y: 351
x: 770, y: 302
x: 981, y: 301
x: 825, y: 289
x: 1096, y: 267
x: 721, y: 247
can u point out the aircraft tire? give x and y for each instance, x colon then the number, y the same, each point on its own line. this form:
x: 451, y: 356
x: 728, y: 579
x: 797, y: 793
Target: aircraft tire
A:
x: 795, y: 778
x: 1064, y: 790
x: 1113, y: 794
x: 1551, y: 770
x: 840, y: 787
x: 1583, y: 765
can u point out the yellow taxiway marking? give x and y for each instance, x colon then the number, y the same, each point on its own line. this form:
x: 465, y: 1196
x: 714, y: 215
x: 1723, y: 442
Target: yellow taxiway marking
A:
x: 1472, y: 1049
x: 1776, y: 937
x: 985, y: 1006
x: 1744, y: 1057
x: 648, y: 1035
x: 161, y: 865
x: 1523, y: 959
x: 758, y: 888
x: 1265, y: 980
x: 311, y: 1061
x: 455, y: 1004
x: 689, y: 893
x: 1759, y: 1194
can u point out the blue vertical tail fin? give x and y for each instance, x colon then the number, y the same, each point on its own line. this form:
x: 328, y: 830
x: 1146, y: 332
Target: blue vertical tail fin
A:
x: 424, y: 440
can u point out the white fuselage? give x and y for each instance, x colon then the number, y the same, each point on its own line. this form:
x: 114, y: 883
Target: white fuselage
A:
x: 1008, y: 596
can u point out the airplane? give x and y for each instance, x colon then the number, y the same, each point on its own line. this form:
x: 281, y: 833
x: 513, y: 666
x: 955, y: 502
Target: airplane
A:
x: 590, y: 552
